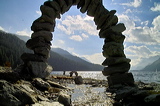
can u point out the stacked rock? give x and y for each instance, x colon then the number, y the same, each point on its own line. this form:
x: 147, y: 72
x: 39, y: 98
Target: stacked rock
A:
x: 117, y: 65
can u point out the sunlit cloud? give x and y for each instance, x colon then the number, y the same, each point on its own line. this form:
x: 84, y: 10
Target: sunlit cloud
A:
x: 38, y: 12
x: 156, y: 7
x: 24, y: 33
x: 72, y: 24
x: 76, y: 38
x: 2, y: 28
x: 135, y: 3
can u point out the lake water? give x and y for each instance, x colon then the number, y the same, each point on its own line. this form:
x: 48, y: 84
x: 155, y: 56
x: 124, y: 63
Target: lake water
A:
x: 138, y: 75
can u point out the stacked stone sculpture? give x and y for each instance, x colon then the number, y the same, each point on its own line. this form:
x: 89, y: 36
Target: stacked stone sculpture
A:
x: 116, y: 64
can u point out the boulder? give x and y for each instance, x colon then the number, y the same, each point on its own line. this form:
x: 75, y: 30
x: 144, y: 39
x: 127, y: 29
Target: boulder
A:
x: 38, y: 26
x: 45, y: 34
x: 154, y: 98
x: 12, y: 95
x: 40, y: 69
x: 41, y: 84
x: 32, y: 57
x: 125, y: 78
x: 105, y: 18
x: 46, y: 10
x: 44, y: 51
x: 85, y: 6
x: 111, y: 21
x: 64, y: 99
x: 113, y: 49
x: 115, y: 60
x: 117, y: 68
x: 37, y: 42
x: 78, y: 80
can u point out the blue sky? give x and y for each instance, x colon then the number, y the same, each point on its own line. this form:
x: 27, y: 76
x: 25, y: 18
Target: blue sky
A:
x: 76, y: 32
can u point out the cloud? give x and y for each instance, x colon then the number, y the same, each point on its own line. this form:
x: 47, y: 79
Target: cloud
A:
x: 38, y: 12
x: 24, y: 33
x: 141, y: 34
x: 76, y: 38
x: 138, y: 53
x: 156, y: 7
x: 2, y: 28
x: 85, y: 36
x: 96, y: 58
x: 73, y: 24
x: 135, y: 3
x: 58, y: 43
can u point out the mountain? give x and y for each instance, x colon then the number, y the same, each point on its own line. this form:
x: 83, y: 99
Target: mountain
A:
x: 153, y: 67
x: 11, y: 48
x: 86, y: 65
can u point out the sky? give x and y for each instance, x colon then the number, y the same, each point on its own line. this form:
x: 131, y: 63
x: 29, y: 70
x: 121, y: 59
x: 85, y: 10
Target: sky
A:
x: 76, y: 32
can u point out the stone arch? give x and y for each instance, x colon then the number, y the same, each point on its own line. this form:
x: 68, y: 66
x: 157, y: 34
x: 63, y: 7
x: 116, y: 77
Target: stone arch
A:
x: 115, y: 63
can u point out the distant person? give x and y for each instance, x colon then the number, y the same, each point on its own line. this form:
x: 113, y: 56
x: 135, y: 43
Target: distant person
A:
x: 73, y: 72
x: 64, y: 72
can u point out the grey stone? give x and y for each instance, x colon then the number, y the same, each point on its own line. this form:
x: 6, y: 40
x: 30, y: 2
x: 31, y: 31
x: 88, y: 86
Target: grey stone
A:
x: 45, y: 34
x: 32, y: 57
x: 118, y: 28
x: 46, y: 10
x: 54, y: 84
x: 38, y: 26
x: 113, y: 49
x: 111, y: 36
x: 37, y: 42
x: 92, y: 7
x: 69, y: 4
x: 78, y: 80
x: 154, y: 98
x: 115, y: 60
x: 46, y: 103
x: 81, y: 4
x: 63, y: 5
x: 101, y: 10
x: 40, y: 69
x: 46, y: 19
x: 105, y: 18
x: 64, y: 99
x: 117, y: 68
x: 12, y: 95
x: 110, y: 22
x: 125, y: 78
x: 41, y: 84
x: 42, y: 51
x: 85, y: 6
x: 75, y: 2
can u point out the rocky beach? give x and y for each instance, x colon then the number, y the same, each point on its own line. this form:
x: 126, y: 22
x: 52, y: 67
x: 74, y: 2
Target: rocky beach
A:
x: 62, y: 90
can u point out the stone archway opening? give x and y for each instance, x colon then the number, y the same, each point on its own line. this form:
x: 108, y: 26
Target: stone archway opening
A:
x: 116, y: 65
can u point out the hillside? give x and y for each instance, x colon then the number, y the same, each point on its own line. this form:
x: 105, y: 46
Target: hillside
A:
x: 153, y: 67
x: 11, y: 48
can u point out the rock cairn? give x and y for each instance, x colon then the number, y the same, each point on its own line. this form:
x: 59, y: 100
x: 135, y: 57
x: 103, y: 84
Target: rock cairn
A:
x: 117, y: 65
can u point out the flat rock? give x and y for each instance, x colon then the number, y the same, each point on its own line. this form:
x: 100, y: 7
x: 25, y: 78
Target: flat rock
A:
x: 40, y: 69
x: 41, y: 84
x: 125, y: 78
x: 85, y: 6
x: 118, y: 28
x: 46, y: 103
x: 92, y: 7
x: 110, y: 22
x: 154, y: 98
x: 42, y: 51
x: 105, y: 18
x: 37, y: 42
x: 80, y: 4
x: 45, y: 34
x: 38, y: 26
x: 69, y: 4
x: 75, y: 2
x: 115, y: 60
x: 117, y: 68
x: 113, y: 49
x: 32, y: 57
x: 111, y: 36
x: 64, y: 99
x: 63, y: 5
x: 46, y: 10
